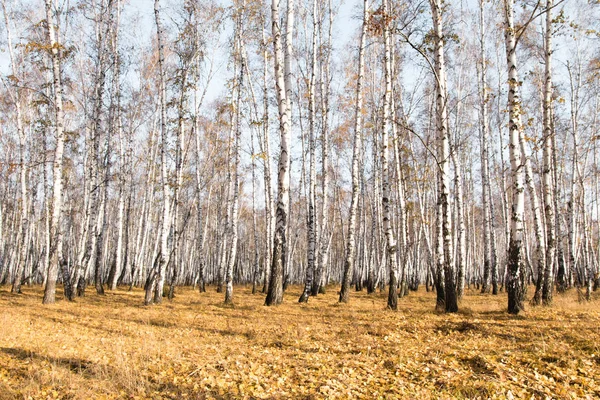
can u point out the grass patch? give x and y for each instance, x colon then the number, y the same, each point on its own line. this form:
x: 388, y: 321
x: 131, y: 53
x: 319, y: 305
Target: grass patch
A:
x: 194, y: 347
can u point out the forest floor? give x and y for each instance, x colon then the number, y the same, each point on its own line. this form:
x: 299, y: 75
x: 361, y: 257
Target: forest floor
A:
x: 195, y: 347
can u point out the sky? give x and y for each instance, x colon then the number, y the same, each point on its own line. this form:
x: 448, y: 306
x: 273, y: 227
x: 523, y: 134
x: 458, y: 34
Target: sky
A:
x: 345, y: 25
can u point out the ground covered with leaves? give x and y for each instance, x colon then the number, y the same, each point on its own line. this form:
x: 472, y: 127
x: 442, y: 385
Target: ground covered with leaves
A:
x: 195, y: 347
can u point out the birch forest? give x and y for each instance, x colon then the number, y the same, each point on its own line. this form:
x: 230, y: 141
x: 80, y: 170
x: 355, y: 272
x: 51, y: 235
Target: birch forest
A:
x: 380, y: 177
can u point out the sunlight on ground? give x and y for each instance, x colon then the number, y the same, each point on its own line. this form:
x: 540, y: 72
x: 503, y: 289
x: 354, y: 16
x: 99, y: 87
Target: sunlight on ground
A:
x: 194, y: 347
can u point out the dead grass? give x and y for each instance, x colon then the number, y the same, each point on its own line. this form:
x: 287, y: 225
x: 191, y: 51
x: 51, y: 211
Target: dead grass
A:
x: 194, y: 347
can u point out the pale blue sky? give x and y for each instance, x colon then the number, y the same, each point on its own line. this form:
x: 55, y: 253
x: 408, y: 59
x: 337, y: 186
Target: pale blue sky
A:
x: 345, y: 25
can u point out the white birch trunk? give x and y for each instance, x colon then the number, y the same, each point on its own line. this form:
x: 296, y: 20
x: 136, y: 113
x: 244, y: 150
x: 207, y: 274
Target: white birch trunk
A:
x: 154, y: 290
x: 443, y: 138
x: 350, y: 254
x: 282, y: 75
x: 515, y: 267
x: 16, y: 97
x: 392, y: 302
x: 540, y: 253
x: 311, y: 220
x: 121, y: 244
x: 323, y: 236
x: 237, y: 89
x: 55, y: 254
x: 484, y: 136
x: 266, y: 148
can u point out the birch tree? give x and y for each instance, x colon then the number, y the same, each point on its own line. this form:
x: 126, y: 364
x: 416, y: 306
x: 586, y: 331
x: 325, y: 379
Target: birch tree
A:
x: 515, y: 273
x: 445, y: 256
x: 356, y: 175
x: 283, y: 91
x: 16, y: 96
x: 155, y: 283
x: 311, y: 219
x: 546, y: 280
x: 392, y: 302
x: 484, y: 140
x: 55, y: 253
x: 233, y: 237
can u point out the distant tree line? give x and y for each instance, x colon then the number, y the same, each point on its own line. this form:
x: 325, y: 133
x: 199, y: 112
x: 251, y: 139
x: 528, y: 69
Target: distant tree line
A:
x: 449, y: 145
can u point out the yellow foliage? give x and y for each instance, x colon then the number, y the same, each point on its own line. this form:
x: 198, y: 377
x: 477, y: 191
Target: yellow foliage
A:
x: 111, y: 347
